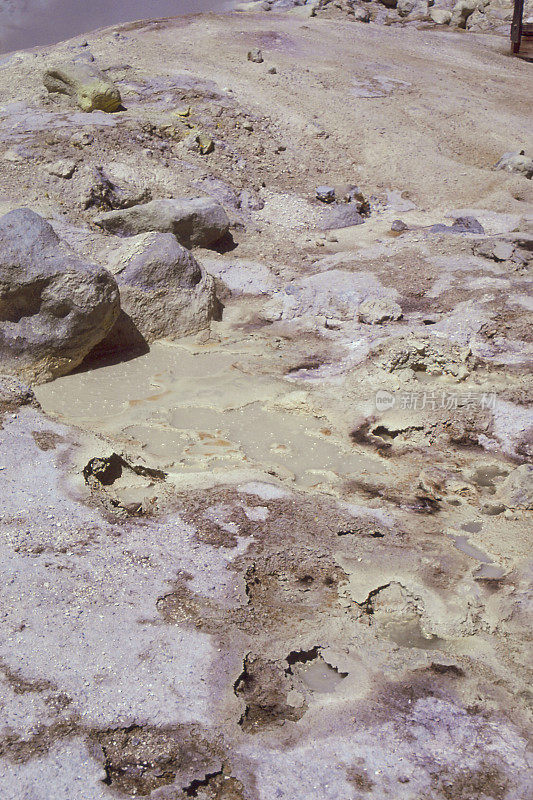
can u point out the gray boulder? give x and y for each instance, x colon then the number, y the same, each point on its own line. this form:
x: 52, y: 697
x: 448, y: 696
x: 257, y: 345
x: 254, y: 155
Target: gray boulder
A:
x: 54, y: 307
x: 83, y: 81
x: 195, y: 222
x: 516, y: 491
x: 164, y: 292
x: 461, y: 11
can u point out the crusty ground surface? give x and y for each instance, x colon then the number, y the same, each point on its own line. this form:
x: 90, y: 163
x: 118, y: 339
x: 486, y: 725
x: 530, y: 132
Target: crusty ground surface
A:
x: 228, y: 574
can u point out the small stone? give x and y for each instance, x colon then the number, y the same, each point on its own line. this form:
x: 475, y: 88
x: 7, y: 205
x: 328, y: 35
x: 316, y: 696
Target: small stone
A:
x: 200, y: 142
x: 255, y: 55
x: 516, y: 162
x: 495, y: 249
x: 398, y: 226
x: 502, y: 251
x: 468, y: 225
x: 460, y: 225
x: 440, y: 16
x: 340, y: 215
x: 81, y: 139
x: 62, y: 168
x: 250, y: 201
x: 247, y: 126
x: 326, y: 194
x: 377, y: 310
x: 361, y: 14
x: 205, y: 144
x: 272, y: 70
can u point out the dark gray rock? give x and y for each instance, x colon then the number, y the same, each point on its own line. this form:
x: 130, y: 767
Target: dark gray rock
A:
x: 460, y: 225
x: 54, y: 307
x: 195, y: 222
x: 398, y: 226
x: 468, y: 225
x: 155, y: 260
x: 342, y: 215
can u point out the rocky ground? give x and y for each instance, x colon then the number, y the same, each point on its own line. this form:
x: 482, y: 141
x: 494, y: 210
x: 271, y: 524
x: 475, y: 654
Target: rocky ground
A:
x: 267, y: 506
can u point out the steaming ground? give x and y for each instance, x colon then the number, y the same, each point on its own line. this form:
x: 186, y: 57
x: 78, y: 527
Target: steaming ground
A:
x: 28, y: 23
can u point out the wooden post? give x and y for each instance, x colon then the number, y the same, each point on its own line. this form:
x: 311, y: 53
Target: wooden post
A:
x: 516, y: 26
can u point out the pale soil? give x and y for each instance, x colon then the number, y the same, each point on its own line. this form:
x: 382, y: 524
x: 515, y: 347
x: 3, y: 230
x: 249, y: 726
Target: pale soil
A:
x: 277, y: 590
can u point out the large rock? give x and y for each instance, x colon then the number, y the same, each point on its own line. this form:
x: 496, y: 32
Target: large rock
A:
x: 462, y: 10
x: 83, y: 81
x: 516, y: 491
x: 414, y: 9
x: 195, y: 222
x: 54, y: 307
x: 164, y: 292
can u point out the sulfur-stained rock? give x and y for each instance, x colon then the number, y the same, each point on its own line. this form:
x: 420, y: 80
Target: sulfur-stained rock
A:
x: 54, y: 307
x: 83, y: 81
